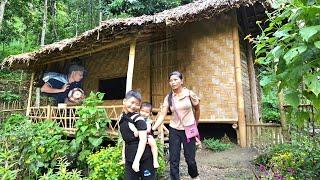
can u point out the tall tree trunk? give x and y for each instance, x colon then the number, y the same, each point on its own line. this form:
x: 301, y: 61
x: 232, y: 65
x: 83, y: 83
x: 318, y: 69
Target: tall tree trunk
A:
x: 54, y: 16
x: 44, y: 22
x: 2, y: 7
x: 100, y: 12
x: 77, y: 21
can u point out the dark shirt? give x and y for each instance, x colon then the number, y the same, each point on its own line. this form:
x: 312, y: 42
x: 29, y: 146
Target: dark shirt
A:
x: 132, y: 142
x: 60, y: 97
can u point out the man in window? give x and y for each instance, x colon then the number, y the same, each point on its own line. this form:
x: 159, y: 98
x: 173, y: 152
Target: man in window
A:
x: 58, y: 85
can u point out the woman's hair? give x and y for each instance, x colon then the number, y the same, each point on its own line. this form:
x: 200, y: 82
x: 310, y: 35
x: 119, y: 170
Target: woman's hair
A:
x: 176, y: 73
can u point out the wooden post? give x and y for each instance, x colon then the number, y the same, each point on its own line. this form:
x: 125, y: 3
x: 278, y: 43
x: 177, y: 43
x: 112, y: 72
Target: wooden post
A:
x: 37, y: 103
x: 131, y: 65
x: 30, y: 94
x: 48, y: 111
x: 237, y: 64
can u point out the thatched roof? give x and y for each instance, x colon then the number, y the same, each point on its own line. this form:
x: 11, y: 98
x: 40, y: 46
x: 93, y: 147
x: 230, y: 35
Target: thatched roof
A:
x: 118, y: 30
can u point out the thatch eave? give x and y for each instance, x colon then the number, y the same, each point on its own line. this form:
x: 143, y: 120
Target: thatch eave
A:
x: 109, y: 30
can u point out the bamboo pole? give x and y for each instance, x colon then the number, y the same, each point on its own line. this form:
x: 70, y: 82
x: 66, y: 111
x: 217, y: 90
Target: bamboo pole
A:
x: 48, y: 112
x: 131, y: 64
x: 237, y: 64
x: 30, y: 94
x: 37, y: 102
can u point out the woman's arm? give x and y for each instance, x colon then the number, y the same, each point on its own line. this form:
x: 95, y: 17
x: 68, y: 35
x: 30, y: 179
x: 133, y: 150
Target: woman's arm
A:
x: 160, y: 118
x: 197, y: 112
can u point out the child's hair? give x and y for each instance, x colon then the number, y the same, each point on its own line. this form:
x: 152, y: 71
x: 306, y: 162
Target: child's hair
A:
x: 134, y: 94
x: 147, y: 105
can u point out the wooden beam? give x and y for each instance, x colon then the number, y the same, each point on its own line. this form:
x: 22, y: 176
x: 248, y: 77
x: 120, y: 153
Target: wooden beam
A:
x: 30, y: 94
x: 238, y: 74
x: 131, y: 64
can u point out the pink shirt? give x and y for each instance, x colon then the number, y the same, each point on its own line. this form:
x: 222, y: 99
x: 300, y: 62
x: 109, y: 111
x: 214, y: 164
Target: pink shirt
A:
x: 183, y: 105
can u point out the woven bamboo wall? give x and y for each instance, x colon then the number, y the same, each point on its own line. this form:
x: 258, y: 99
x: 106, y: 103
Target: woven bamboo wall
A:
x: 245, y: 81
x: 163, y: 56
x: 205, y: 56
x: 113, y: 63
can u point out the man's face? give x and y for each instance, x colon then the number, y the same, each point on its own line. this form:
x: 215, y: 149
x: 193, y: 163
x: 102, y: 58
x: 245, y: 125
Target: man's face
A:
x: 131, y: 105
x: 145, y: 112
x: 77, y: 75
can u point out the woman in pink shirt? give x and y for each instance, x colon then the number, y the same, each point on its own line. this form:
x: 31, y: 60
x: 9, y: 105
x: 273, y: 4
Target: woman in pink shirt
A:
x: 181, y: 101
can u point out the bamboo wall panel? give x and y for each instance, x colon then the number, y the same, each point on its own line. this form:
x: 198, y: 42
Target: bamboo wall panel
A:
x: 163, y: 61
x: 113, y: 63
x: 205, y: 56
x: 245, y: 82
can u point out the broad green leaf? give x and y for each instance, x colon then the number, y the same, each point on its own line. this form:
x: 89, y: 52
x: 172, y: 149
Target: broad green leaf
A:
x: 83, y: 128
x: 282, y: 33
x: 313, y: 83
x: 307, y: 32
x: 293, y: 99
x: 95, y: 141
x: 317, y: 44
x: 292, y: 53
x: 301, y: 118
x: 276, y: 52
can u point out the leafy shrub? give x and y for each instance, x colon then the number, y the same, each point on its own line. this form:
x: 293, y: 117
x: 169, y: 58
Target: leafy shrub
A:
x: 105, y: 164
x: 91, y: 126
x: 62, y: 173
x: 299, y: 159
x: 9, y: 96
x: 35, y: 147
x: 161, y: 160
x: 216, y: 145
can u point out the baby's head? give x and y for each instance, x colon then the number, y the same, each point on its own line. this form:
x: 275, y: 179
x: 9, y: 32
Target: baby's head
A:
x: 76, y: 95
x: 146, y: 109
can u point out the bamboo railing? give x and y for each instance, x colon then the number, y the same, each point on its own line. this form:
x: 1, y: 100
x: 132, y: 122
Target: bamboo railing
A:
x: 66, y: 117
x: 7, y: 108
x: 264, y: 134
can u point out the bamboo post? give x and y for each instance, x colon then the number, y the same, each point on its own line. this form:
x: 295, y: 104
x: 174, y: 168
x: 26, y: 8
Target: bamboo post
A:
x: 48, y: 111
x: 237, y: 64
x: 37, y: 103
x: 131, y: 65
x: 30, y: 94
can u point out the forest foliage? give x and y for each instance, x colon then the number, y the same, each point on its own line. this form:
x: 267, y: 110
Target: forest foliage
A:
x: 23, y: 19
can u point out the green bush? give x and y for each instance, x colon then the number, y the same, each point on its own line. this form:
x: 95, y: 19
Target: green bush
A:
x: 91, y: 127
x: 35, y: 147
x: 216, y: 145
x: 105, y: 164
x: 62, y: 173
x: 9, y: 96
x: 299, y: 159
x: 161, y: 160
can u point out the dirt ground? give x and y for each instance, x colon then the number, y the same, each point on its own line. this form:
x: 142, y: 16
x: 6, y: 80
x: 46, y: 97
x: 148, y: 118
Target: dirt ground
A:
x: 230, y: 164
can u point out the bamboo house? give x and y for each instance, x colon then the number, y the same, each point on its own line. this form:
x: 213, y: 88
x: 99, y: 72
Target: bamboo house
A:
x: 204, y: 40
